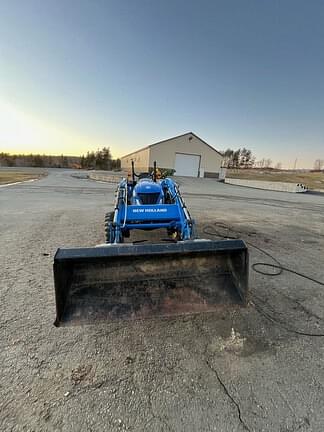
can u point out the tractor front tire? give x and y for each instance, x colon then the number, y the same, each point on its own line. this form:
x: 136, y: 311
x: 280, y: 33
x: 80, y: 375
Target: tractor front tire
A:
x: 109, y: 231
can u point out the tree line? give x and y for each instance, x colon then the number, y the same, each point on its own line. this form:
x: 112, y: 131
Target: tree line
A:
x: 244, y: 158
x: 37, y: 160
x: 100, y: 159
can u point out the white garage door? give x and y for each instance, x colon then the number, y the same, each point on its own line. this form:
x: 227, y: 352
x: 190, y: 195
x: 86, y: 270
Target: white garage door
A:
x: 186, y: 165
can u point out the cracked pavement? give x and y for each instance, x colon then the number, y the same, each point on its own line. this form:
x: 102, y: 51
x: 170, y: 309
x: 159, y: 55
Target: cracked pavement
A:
x: 230, y: 370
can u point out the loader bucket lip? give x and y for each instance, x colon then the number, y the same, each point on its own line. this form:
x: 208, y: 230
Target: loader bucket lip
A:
x: 202, y: 245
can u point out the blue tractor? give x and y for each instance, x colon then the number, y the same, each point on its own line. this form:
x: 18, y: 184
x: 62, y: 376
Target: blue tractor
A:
x: 148, y: 203
x: 120, y: 279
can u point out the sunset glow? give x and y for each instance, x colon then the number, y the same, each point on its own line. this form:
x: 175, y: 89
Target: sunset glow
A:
x: 25, y: 133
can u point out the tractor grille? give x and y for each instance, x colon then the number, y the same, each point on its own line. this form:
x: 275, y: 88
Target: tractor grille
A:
x: 149, y: 198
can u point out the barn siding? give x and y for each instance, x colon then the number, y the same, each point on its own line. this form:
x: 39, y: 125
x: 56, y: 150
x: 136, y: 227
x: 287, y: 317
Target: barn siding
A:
x: 140, y: 158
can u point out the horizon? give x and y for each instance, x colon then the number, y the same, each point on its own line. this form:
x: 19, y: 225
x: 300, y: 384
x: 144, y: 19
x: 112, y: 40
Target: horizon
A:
x: 124, y: 76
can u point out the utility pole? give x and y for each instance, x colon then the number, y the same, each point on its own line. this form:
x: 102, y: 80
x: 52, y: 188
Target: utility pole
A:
x: 295, y: 164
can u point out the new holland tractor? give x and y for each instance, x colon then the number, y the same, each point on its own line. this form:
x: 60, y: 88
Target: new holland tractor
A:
x: 179, y: 274
x: 147, y: 204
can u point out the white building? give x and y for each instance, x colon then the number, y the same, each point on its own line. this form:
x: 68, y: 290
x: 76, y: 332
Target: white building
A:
x: 187, y: 154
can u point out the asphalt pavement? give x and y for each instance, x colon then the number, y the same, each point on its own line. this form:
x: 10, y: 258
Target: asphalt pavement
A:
x: 254, y: 369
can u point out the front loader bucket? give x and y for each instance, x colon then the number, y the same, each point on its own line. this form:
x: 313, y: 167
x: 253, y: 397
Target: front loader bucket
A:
x: 145, y: 280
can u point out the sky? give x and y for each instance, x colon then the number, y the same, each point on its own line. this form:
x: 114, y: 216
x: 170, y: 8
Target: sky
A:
x: 78, y: 75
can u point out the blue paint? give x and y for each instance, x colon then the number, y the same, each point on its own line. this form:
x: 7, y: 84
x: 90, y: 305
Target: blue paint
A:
x: 167, y: 212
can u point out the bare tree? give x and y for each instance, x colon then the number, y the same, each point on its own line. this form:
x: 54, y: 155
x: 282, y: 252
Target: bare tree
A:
x: 319, y: 164
x: 260, y: 163
x: 246, y: 159
x: 228, y: 156
x: 268, y: 163
x: 241, y: 158
x: 278, y: 166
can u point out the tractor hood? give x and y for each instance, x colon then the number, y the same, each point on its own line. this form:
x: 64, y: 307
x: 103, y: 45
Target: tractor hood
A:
x: 147, y: 186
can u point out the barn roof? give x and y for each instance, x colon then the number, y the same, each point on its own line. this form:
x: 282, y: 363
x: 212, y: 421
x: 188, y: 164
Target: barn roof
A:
x: 168, y: 139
